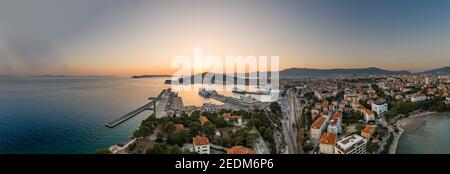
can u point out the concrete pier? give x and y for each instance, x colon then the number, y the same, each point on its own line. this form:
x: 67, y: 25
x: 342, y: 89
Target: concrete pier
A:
x: 133, y: 113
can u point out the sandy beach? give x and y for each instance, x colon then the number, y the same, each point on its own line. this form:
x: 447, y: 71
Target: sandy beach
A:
x: 409, y: 122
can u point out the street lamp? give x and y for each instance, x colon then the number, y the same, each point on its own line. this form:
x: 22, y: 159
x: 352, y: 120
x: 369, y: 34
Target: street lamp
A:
x: 154, y: 104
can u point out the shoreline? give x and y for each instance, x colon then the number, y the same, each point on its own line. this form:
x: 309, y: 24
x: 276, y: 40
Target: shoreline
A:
x: 406, y: 123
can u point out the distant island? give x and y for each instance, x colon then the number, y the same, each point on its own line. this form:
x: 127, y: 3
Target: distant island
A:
x: 58, y: 76
x: 149, y: 76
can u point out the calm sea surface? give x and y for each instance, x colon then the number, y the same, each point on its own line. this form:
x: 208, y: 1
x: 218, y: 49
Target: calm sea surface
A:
x: 432, y: 136
x: 67, y: 114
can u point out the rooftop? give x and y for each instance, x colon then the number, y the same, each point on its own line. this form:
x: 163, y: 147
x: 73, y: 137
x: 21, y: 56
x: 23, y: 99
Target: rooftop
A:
x: 199, y: 140
x: 337, y: 115
x: 368, y: 129
x: 232, y: 116
x: 379, y: 102
x: 328, y: 138
x: 347, y: 143
x: 240, y: 150
x: 318, y: 123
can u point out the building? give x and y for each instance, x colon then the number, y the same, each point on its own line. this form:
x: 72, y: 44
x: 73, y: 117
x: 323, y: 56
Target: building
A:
x: 353, y: 144
x: 368, y: 131
x: 235, y: 119
x: 418, y: 98
x: 335, y: 124
x: 379, y: 107
x: 210, y: 107
x: 327, y: 115
x: 318, y: 127
x: 368, y: 115
x: 240, y: 150
x: 200, y: 145
x: 327, y: 142
x: 203, y: 120
x: 315, y: 113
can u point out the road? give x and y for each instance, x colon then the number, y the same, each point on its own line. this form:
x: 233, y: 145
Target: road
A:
x: 288, y: 136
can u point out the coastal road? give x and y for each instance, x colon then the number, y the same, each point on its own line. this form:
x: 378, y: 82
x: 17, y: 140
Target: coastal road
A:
x: 285, y: 122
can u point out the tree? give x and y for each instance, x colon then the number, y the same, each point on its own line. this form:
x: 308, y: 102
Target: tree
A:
x: 169, y: 127
x: 351, y: 117
x: 371, y: 147
x: 195, y: 127
x: 176, y: 150
x: 194, y: 116
x: 157, y: 149
x: 103, y: 151
x: 178, y: 137
x: 159, y: 137
x: 209, y: 129
x: 242, y: 137
x: 225, y: 141
x: 275, y: 109
x: 147, y: 126
x: 359, y: 128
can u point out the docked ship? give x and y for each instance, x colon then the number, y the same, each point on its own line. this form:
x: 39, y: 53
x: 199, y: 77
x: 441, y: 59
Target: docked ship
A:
x: 238, y: 90
x: 248, y: 99
x: 207, y: 93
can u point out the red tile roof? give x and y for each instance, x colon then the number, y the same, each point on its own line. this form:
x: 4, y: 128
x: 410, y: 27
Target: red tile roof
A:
x: 328, y: 138
x: 318, y: 123
x: 368, y: 129
x: 337, y: 115
x: 240, y: 150
x: 199, y: 140
x: 231, y: 116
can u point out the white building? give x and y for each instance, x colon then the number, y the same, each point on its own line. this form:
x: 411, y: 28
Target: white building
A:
x: 235, y: 119
x: 200, y: 145
x: 327, y: 142
x: 379, y: 107
x: 353, y: 144
x: 327, y: 115
x: 368, y: 115
x: 318, y: 127
x: 418, y: 98
x: 334, y: 126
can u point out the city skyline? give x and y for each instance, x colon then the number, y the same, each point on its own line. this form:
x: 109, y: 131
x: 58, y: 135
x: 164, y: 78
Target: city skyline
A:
x: 105, y: 37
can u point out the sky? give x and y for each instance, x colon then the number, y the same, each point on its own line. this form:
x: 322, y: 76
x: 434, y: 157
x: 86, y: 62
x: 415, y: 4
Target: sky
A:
x: 116, y: 37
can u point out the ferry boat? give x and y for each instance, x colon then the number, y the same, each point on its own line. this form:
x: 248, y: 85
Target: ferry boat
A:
x: 207, y: 93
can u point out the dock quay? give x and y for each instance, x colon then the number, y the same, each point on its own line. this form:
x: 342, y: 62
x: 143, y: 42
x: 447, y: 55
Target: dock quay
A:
x: 149, y: 106
x: 231, y: 101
